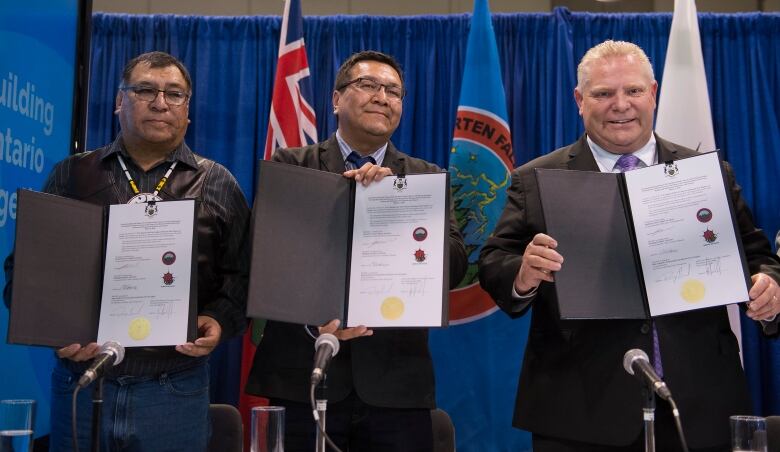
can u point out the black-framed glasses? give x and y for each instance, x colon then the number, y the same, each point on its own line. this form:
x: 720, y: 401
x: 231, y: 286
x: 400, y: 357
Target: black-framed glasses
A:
x: 372, y: 86
x: 149, y: 94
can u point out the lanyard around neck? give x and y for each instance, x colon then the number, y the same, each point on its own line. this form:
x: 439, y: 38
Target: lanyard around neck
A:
x: 134, y: 187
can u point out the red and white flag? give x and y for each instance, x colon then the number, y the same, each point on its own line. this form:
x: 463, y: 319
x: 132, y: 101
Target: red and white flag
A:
x: 292, y: 122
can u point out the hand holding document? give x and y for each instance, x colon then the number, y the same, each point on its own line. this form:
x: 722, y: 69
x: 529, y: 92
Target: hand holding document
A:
x: 141, y: 260
x: 373, y: 255
x: 652, y: 241
x: 398, y: 242
x: 686, y: 237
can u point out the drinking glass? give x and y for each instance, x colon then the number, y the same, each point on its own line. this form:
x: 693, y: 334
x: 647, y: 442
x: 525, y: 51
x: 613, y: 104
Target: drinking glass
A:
x: 16, y: 425
x: 267, y: 429
x: 748, y: 434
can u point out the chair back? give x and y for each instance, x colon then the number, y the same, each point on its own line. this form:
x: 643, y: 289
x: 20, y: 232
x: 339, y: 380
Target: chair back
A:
x: 773, y: 433
x: 443, y: 431
x: 227, y: 430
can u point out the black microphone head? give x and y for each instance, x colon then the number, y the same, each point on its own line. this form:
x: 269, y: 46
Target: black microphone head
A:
x: 114, y: 348
x: 330, y: 340
x: 631, y: 356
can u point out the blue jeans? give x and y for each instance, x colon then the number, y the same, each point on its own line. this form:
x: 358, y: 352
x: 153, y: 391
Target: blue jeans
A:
x: 168, y: 412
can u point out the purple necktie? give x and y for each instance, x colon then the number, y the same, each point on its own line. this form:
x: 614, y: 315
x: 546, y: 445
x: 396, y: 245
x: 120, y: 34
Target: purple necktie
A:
x: 628, y: 162
x: 355, y: 159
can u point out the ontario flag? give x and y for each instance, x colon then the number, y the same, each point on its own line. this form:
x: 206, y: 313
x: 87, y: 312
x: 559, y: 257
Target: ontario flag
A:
x: 292, y: 123
x: 478, y: 358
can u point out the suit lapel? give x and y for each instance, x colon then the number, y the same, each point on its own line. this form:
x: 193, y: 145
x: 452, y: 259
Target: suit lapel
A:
x: 330, y: 156
x: 666, y: 150
x: 580, y: 157
x: 331, y: 159
x: 393, y: 159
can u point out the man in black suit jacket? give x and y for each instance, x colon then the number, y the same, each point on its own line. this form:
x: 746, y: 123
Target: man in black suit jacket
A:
x: 381, y: 383
x: 573, y: 393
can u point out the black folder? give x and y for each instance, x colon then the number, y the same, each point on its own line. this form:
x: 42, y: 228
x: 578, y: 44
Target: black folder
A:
x: 58, y: 271
x: 589, y: 215
x: 301, y: 246
x: 586, y: 213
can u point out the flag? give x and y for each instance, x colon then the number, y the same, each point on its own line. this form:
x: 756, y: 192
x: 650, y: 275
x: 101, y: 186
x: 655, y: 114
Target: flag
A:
x: 292, y: 123
x: 477, y: 359
x: 684, y: 114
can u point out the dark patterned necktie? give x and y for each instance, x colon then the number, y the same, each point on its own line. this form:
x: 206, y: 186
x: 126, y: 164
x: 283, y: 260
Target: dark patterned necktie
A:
x: 358, y: 161
x: 628, y: 162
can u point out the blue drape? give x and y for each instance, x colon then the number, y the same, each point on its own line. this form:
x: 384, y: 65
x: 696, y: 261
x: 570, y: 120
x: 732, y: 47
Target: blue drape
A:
x: 233, y: 59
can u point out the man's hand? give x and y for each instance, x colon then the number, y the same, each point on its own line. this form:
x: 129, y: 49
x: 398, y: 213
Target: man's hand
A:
x: 347, y: 333
x: 209, y: 333
x: 539, y: 261
x: 764, y: 296
x: 368, y: 173
x: 75, y: 352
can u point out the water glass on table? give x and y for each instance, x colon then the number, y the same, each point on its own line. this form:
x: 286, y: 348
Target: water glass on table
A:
x: 748, y: 434
x: 267, y: 429
x: 16, y: 425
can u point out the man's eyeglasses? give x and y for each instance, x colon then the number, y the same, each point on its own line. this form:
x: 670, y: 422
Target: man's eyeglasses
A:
x: 371, y: 86
x: 149, y: 94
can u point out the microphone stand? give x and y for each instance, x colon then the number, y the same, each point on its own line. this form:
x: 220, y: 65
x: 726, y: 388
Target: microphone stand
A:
x: 322, y: 408
x: 97, y: 408
x: 649, y: 418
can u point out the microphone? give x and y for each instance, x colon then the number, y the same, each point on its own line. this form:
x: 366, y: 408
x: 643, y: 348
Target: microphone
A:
x: 111, y: 354
x: 635, y: 362
x: 326, y: 346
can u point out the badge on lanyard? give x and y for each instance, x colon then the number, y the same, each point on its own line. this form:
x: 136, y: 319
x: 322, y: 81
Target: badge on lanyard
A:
x: 142, y: 198
x: 146, y: 198
x: 149, y: 199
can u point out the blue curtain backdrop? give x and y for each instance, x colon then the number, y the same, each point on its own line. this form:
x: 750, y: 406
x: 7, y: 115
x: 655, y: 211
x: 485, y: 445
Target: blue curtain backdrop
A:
x: 233, y: 59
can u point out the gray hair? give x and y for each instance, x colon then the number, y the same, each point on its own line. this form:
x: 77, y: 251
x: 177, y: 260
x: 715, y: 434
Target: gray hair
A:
x: 610, y: 49
x: 156, y: 60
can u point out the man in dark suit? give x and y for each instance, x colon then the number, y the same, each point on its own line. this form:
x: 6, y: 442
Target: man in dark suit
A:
x: 380, y: 384
x: 573, y: 393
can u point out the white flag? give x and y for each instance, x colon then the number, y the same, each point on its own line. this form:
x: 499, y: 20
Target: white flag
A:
x: 684, y: 115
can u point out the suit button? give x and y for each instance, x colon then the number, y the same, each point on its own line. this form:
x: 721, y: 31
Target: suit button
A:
x: 645, y: 328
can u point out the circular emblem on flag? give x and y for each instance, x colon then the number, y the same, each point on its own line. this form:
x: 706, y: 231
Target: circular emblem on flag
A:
x: 169, y: 257
x: 704, y: 215
x: 420, y: 234
x: 480, y: 162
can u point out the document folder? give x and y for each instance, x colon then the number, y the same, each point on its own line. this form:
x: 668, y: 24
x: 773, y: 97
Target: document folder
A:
x: 58, y: 272
x: 302, y: 248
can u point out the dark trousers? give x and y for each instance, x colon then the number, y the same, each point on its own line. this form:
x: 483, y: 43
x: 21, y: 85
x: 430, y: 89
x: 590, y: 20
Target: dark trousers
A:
x: 355, y: 426
x: 666, y: 439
